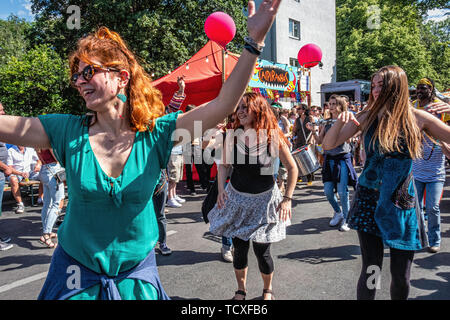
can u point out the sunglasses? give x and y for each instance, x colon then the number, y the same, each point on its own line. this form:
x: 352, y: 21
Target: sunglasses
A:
x: 88, y: 72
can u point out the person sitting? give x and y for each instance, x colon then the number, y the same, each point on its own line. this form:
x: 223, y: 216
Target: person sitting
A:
x: 21, y: 159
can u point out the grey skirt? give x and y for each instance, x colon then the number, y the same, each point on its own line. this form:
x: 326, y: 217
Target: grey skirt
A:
x: 249, y: 216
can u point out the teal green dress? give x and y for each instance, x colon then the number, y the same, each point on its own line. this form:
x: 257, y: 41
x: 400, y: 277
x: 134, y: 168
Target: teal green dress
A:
x: 110, y: 224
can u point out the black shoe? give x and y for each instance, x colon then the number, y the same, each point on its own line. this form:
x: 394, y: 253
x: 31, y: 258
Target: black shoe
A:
x: 5, y: 239
x: 59, y: 220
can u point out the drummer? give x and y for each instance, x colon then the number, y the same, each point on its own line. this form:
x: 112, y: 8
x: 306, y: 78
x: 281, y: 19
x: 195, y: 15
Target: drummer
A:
x: 337, y: 171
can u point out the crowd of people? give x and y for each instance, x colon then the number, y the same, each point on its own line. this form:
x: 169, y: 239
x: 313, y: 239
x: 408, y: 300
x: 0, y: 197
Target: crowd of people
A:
x: 129, y: 140
x: 19, y: 163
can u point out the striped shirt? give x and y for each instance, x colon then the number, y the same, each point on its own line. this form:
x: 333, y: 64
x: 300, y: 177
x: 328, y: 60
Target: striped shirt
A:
x: 176, y: 102
x: 174, y: 106
x: 431, y: 167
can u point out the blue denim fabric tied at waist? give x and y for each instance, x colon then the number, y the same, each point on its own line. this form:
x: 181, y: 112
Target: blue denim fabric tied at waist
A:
x: 334, y: 174
x: 58, y: 285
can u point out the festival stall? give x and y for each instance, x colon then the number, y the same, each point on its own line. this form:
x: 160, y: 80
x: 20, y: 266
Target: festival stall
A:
x: 279, y: 82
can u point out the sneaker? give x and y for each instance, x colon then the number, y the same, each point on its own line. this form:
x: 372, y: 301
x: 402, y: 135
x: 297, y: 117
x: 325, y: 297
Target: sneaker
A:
x: 227, y: 255
x: 20, y: 208
x: 180, y: 200
x: 172, y: 203
x: 5, y: 246
x: 434, y: 249
x: 164, y: 249
x: 338, y: 217
x: 5, y: 239
x: 344, y: 227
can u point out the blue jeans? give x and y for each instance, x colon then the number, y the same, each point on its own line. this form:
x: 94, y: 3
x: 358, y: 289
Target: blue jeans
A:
x: 53, y: 194
x: 342, y: 189
x: 226, y: 243
x: 276, y: 168
x: 159, y: 203
x: 2, y: 186
x: 433, y: 197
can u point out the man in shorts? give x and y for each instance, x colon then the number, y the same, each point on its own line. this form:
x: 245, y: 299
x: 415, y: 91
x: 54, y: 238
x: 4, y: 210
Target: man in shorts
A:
x: 21, y: 159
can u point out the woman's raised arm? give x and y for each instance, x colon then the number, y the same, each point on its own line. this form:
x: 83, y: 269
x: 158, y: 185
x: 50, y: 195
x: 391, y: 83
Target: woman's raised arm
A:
x: 433, y: 126
x: 22, y: 131
x: 258, y: 25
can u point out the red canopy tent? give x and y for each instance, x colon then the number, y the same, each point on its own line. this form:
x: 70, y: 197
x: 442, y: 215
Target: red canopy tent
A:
x: 203, y: 78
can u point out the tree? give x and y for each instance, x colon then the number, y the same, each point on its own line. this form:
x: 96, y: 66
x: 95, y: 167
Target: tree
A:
x: 392, y: 33
x: 164, y: 34
x: 12, y: 38
x: 436, y: 36
x: 34, y: 83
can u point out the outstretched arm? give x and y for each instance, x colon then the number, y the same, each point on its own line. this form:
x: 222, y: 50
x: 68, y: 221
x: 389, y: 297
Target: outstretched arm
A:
x: 22, y: 131
x: 346, y: 126
x: 432, y: 125
x: 258, y: 25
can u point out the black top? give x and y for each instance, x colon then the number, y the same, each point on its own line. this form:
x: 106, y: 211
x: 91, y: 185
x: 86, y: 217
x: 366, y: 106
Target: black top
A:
x: 301, y: 135
x: 252, y: 172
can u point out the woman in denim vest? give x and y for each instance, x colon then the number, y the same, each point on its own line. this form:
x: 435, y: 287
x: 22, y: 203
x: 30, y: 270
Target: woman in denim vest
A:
x: 385, y: 208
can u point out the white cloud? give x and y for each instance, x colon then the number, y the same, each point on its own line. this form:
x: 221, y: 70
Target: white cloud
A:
x: 438, y: 14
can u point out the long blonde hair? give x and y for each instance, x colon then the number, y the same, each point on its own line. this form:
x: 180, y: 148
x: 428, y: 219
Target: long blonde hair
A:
x: 398, y: 125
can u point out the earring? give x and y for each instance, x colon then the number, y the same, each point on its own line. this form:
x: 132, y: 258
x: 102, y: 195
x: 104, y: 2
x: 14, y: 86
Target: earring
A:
x: 122, y: 97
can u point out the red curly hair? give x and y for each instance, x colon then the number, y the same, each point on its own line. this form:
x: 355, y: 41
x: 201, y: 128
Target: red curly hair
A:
x: 145, y: 101
x: 264, y: 116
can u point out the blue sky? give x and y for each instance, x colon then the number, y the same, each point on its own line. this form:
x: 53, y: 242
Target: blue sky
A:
x: 22, y: 8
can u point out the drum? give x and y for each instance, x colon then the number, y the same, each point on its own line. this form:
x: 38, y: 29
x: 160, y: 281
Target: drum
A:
x: 306, y: 160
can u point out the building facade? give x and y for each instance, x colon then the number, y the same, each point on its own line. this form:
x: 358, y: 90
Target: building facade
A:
x: 298, y: 23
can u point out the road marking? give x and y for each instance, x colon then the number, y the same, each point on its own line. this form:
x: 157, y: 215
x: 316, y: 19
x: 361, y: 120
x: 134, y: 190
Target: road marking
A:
x: 22, y: 282
x: 42, y: 275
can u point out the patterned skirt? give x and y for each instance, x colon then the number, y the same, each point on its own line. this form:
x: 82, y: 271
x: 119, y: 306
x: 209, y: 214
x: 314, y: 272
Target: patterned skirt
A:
x: 249, y: 216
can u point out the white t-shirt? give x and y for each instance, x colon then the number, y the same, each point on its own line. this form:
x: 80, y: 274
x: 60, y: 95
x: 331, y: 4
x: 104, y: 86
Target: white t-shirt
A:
x: 22, y: 161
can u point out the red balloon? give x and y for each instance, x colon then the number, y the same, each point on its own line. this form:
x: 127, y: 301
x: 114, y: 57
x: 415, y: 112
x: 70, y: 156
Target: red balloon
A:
x: 220, y: 27
x: 309, y: 55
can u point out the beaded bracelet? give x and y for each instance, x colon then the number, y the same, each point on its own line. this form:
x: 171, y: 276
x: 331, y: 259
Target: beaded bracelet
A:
x: 286, y: 197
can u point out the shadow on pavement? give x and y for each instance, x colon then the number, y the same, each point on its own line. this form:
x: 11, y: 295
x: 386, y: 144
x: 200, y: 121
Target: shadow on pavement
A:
x: 310, y: 226
x: 326, y: 255
x: 181, y: 258
x: 440, y: 288
x: 24, y: 261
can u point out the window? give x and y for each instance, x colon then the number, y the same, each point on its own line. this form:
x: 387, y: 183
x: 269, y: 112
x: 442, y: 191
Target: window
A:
x: 294, y: 62
x: 294, y: 29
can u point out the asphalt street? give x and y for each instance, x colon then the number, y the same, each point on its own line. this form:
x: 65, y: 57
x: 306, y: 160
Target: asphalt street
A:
x: 314, y: 262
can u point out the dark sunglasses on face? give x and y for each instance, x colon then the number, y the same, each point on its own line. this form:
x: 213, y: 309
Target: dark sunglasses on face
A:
x: 88, y: 72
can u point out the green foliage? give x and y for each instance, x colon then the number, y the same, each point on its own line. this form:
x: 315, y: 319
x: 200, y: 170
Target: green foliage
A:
x: 33, y: 83
x: 400, y: 39
x: 12, y: 38
x: 164, y: 34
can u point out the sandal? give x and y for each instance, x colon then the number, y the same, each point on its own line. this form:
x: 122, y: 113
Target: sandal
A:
x: 53, y: 235
x: 241, y: 292
x: 47, y: 241
x: 272, y: 297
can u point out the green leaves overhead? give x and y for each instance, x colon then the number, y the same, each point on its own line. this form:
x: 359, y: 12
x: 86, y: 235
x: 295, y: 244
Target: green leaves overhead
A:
x: 393, y: 33
x: 164, y: 34
x: 33, y: 83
